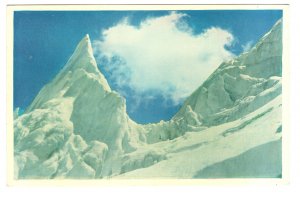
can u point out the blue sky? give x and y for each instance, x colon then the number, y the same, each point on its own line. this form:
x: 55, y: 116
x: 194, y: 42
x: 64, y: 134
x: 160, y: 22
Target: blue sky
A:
x: 154, y: 58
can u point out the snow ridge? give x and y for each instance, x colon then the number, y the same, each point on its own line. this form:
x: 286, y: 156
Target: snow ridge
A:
x: 241, y: 85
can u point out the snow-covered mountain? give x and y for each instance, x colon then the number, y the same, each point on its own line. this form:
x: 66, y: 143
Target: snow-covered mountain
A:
x: 77, y: 127
x: 242, y: 85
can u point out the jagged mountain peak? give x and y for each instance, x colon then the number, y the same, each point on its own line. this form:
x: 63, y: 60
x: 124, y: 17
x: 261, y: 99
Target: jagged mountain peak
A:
x: 83, y: 104
x: 83, y: 50
x: 80, y: 72
x: 83, y: 59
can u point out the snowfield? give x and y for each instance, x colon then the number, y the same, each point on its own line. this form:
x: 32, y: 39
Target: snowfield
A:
x: 231, y: 126
x: 186, y: 156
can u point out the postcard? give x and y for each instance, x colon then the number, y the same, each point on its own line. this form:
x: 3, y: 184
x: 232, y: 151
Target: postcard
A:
x: 147, y: 93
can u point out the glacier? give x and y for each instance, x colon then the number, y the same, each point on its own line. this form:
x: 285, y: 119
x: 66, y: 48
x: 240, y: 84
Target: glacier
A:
x: 231, y: 126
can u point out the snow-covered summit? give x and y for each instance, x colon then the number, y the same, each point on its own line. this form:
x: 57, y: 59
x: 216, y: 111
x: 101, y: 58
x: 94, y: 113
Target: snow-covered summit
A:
x: 82, y: 57
x: 79, y: 72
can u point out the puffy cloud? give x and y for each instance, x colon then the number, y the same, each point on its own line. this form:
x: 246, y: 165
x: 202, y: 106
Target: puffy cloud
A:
x: 162, y: 55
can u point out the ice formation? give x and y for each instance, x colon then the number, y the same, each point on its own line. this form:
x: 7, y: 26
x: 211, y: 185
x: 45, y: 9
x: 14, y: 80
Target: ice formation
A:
x: 78, y: 128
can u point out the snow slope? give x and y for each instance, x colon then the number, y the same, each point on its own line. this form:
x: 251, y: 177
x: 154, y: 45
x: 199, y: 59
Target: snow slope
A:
x: 77, y: 127
x: 262, y: 162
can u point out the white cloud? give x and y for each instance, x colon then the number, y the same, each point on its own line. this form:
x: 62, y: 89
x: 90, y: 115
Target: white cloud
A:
x: 162, y: 55
x: 246, y: 47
